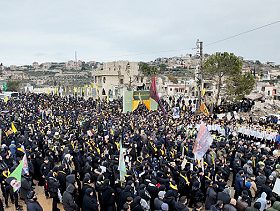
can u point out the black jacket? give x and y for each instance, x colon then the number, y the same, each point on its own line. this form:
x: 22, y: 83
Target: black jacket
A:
x: 123, y: 197
x: 25, y: 187
x: 225, y: 198
x: 180, y: 207
x: 211, y: 198
x: 108, y: 198
x: 32, y: 205
x: 53, y: 185
x: 45, y: 168
x: 62, y: 180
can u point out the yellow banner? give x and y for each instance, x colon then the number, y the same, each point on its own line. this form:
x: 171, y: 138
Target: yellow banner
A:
x: 204, y: 109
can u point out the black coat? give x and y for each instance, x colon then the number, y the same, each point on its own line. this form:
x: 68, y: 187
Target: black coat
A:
x: 61, y: 176
x: 89, y: 202
x: 225, y: 198
x: 108, y: 199
x: 85, y: 187
x: 53, y: 185
x: 45, y: 168
x: 123, y: 197
x: 32, y: 205
x: 211, y: 198
x: 25, y: 187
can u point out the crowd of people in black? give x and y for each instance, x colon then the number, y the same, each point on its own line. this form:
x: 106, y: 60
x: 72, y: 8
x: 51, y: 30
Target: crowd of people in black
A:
x: 72, y: 147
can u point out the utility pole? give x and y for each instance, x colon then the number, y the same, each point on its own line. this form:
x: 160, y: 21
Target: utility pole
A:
x: 128, y: 72
x: 119, y: 78
x: 199, y: 76
x: 76, y: 73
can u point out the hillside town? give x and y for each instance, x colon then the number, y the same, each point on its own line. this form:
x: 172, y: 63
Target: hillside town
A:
x: 176, y: 77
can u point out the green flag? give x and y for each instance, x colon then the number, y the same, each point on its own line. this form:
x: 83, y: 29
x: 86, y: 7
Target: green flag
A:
x: 15, y: 178
x: 122, y: 167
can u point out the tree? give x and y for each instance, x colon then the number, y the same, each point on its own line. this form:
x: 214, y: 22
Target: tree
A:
x: 147, y: 70
x: 222, y: 68
x: 173, y: 79
x: 240, y: 85
x: 162, y: 67
x: 13, y: 86
x: 258, y: 62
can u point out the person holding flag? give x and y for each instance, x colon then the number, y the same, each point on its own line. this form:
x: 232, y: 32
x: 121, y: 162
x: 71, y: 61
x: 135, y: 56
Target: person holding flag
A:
x: 5, y: 186
x: 14, y: 180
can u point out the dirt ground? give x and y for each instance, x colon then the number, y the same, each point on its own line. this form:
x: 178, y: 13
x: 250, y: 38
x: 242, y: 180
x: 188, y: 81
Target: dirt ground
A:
x: 45, y: 203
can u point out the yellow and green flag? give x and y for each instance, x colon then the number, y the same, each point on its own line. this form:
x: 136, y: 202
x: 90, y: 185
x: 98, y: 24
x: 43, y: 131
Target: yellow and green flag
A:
x: 204, y: 109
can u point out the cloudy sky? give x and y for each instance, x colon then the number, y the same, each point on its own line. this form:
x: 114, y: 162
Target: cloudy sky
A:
x: 110, y: 30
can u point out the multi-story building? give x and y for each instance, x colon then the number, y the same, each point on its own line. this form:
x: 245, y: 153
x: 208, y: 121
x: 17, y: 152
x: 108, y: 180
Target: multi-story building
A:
x: 112, y: 78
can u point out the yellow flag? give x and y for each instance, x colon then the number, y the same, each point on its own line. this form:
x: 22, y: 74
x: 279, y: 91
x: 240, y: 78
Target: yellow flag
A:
x: 107, y: 98
x: 13, y: 128
x: 6, y: 99
x: 203, y: 92
x: 204, y: 109
x: 48, y: 90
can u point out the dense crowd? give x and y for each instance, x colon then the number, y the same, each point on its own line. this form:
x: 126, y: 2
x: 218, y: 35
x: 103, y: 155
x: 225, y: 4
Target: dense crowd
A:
x: 72, y: 146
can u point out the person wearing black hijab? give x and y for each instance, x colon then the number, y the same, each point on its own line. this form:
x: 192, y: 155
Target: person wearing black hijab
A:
x: 89, y: 201
x: 87, y: 184
x: 135, y: 205
x: 196, y: 194
x: 145, y: 199
x: 169, y: 199
x: 123, y: 196
x: 108, y: 197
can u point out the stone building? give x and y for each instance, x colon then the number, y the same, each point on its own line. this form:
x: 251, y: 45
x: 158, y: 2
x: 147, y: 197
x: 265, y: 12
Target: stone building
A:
x: 113, y: 78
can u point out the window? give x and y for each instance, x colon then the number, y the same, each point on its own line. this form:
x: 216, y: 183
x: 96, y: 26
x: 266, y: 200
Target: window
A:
x: 170, y: 89
x: 104, y: 80
x: 121, y: 81
x: 268, y: 93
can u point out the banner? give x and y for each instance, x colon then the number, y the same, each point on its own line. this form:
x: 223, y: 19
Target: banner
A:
x: 122, y: 167
x: 15, y: 178
x: 132, y: 100
x: 176, y: 112
x: 25, y: 164
x: 203, y: 142
x: 204, y: 109
x: 154, y: 95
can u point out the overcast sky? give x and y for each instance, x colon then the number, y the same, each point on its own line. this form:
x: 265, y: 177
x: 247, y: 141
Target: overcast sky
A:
x: 134, y: 30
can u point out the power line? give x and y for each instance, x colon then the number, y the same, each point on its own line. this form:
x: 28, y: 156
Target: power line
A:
x: 236, y: 35
x: 242, y: 33
x: 137, y: 54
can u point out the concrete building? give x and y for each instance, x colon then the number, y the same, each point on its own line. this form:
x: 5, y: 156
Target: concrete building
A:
x: 71, y: 65
x: 267, y: 90
x: 177, y: 89
x: 113, y: 75
x: 35, y: 65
